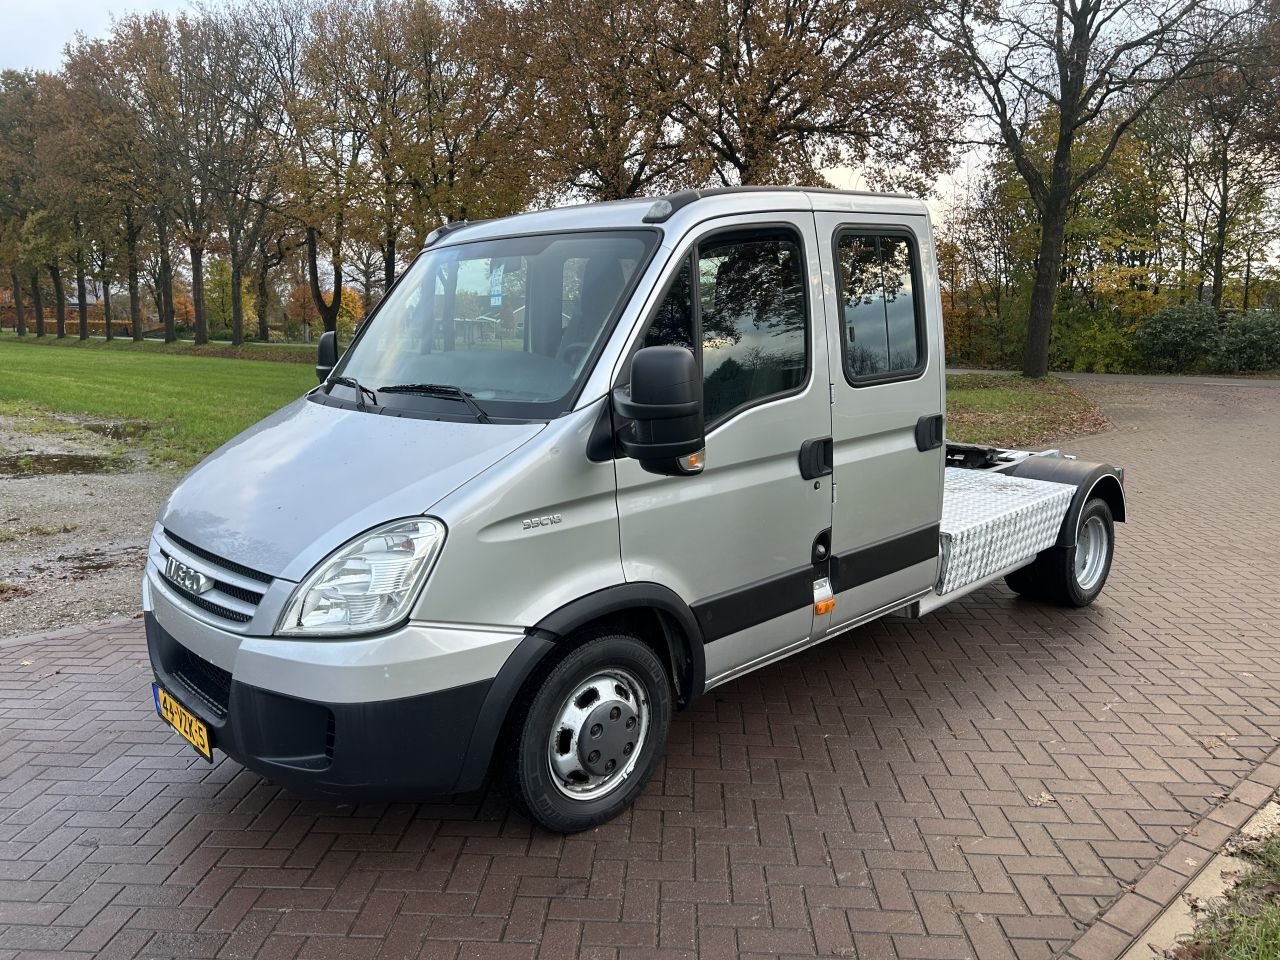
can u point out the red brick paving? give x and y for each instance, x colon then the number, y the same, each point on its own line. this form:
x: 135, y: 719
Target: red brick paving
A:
x: 878, y: 796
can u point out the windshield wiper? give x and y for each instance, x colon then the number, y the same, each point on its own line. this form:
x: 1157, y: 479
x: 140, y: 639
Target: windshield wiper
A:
x: 354, y: 384
x: 440, y: 390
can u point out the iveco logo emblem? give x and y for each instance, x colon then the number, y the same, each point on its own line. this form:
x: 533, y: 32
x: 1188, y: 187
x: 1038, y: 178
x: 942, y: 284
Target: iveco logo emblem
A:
x: 192, y: 581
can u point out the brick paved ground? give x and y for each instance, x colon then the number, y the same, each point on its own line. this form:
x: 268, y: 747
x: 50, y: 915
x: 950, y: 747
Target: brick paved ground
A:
x: 883, y: 795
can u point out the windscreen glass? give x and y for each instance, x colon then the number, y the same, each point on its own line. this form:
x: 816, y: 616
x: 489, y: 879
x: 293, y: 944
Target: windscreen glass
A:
x: 513, y: 322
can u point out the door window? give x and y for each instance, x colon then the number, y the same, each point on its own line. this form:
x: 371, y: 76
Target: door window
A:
x: 882, y: 336
x: 749, y: 318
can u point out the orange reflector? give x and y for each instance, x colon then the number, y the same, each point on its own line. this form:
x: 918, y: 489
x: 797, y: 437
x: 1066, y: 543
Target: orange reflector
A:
x: 823, y: 607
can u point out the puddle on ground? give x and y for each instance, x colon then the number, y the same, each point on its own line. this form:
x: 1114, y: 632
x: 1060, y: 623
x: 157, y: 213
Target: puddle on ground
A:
x: 13, y: 591
x: 94, y: 560
x: 119, y: 429
x: 49, y: 464
x: 75, y: 566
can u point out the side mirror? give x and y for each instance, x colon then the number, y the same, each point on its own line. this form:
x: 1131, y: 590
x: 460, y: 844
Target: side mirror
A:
x: 666, y: 433
x: 327, y: 357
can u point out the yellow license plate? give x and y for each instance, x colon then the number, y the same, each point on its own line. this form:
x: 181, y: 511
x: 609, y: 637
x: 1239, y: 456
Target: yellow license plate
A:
x: 181, y: 719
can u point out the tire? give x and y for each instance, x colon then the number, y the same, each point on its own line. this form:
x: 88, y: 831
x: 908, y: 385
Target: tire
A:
x: 1072, y: 576
x: 599, y: 760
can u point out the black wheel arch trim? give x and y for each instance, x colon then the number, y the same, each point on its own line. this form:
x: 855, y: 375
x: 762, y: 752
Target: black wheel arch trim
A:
x: 1090, y: 480
x: 678, y: 623
x: 497, y: 704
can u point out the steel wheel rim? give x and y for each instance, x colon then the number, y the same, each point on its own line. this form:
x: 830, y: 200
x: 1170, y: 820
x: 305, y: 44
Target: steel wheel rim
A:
x: 586, y: 737
x: 1091, y: 553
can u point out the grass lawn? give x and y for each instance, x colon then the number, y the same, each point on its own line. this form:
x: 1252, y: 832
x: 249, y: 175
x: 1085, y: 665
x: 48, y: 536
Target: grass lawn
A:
x: 194, y: 399
x: 1247, y: 925
x: 193, y: 403
x: 1011, y: 411
x: 280, y: 352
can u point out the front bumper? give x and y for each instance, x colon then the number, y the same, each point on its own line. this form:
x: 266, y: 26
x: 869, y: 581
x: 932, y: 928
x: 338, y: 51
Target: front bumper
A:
x: 409, y: 713
x: 402, y: 749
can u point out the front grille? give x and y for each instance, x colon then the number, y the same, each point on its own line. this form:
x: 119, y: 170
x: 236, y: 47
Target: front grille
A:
x: 216, y: 609
x: 240, y: 593
x: 230, y: 597
x: 210, y: 683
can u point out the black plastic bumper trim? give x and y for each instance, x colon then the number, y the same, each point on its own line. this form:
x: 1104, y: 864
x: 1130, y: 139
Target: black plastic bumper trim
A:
x: 404, y: 749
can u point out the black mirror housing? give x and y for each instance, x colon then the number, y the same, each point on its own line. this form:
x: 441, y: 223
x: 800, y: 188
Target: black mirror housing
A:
x: 326, y: 355
x: 664, y: 406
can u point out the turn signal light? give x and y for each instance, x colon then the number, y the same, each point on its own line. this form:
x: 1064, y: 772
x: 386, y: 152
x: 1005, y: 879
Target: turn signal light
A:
x: 694, y: 462
x: 823, y: 607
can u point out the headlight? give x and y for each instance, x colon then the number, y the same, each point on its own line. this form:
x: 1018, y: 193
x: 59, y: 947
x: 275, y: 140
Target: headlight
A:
x: 367, y: 585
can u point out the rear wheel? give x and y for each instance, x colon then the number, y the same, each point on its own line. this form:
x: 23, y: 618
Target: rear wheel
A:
x: 588, y: 734
x: 1072, y: 576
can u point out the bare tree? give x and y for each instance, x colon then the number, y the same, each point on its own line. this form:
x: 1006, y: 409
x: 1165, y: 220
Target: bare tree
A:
x: 171, y: 68
x: 1228, y: 174
x: 1081, y: 63
x: 17, y: 198
x: 239, y: 164
x: 111, y: 172
x: 780, y: 90
x: 367, y: 46
x: 318, y: 149
x: 276, y: 244
x: 601, y: 91
x: 466, y: 154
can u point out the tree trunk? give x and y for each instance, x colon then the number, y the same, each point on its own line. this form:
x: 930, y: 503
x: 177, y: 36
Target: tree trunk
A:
x: 1248, y: 264
x: 197, y: 293
x: 38, y: 302
x: 237, y: 302
x: 166, y: 281
x: 106, y: 305
x: 135, y: 299
x: 260, y: 297
x: 1220, y: 227
x: 82, y: 308
x: 1044, y: 293
x: 328, y: 311
x: 60, y: 299
x: 17, y: 303
x: 389, y: 260
x: 1184, y: 208
x: 82, y: 294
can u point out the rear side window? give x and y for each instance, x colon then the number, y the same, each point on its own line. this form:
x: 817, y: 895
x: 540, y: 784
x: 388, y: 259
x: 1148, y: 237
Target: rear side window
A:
x: 744, y: 306
x: 882, y: 334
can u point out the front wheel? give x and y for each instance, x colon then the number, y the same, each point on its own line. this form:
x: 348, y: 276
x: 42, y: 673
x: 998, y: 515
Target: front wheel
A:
x: 586, y: 738
x: 1072, y: 576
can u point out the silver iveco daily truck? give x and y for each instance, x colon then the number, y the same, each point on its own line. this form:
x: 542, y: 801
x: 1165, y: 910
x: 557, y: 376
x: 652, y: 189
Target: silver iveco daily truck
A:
x: 579, y: 467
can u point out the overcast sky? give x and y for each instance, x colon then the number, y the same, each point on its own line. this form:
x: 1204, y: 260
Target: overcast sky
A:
x: 33, y: 32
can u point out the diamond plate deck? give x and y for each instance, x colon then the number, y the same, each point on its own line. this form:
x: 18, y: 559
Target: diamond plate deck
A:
x: 990, y: 521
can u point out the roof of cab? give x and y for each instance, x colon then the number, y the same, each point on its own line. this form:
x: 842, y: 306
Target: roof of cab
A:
x: 677, y: 209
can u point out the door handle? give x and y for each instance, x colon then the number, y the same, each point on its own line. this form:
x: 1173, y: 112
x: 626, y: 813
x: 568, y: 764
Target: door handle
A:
x: 816, y: 457
x: 929, y: 432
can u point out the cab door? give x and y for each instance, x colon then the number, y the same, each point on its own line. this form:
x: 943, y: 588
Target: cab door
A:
x: 737, y: 541
x: 887, y: 373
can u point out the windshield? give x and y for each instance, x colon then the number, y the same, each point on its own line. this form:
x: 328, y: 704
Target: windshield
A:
x: 512, y: 321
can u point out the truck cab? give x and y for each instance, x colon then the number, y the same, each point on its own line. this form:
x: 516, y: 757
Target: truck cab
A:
x: 579, y: 467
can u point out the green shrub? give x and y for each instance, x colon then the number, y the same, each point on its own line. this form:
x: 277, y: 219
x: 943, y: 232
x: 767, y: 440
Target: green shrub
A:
x: 1177, y: 339
x: 1097, y: 344
x: 1247, y: 342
